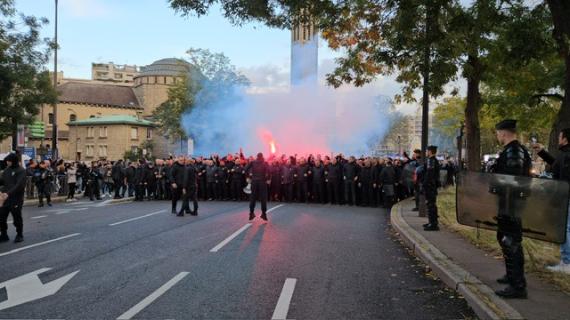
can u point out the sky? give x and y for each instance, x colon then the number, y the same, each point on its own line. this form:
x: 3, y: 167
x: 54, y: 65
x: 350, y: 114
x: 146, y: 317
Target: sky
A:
x: 138, y: 32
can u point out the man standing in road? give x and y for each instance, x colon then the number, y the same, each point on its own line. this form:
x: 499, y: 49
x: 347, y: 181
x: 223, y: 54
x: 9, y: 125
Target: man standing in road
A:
x: 189, y: 189
x: 258, y: 172
x: 560, y: 167
x: 514, y: 160
x: 13, y: 184
x: 177, y: 181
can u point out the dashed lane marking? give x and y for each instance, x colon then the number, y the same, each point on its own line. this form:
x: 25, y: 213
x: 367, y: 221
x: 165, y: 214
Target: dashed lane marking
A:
x: 137, y: 218
x: 284, y: 301
x: 150, y: 299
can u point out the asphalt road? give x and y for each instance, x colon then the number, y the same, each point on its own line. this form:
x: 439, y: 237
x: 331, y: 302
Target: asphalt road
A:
x: 97, y: 260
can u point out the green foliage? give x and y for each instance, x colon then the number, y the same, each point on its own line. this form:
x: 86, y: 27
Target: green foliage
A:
x: 180, y: 100
x: 23, y: 84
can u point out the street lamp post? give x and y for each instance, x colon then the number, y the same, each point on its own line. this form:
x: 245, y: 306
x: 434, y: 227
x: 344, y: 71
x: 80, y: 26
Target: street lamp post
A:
x: 55, y: 154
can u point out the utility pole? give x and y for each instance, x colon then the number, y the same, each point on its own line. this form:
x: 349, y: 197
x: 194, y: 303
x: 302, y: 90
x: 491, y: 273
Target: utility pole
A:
x: 54, y: 137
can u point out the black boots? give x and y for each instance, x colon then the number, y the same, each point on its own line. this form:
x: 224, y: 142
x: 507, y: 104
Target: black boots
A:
x: 251, y: 216
x: 431, y: 227
x: 264, y: 216
x: 503, y: 280
x: 19, y: 238
x: 511, y: 292
x: 4, y: 238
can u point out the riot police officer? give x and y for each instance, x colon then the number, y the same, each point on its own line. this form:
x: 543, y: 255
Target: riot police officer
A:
x: 430, y: 183
x: 258, y: 171
x: 13, y: 182
x: 514, y: 160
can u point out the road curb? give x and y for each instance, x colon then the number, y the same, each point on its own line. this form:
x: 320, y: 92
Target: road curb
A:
x: 480, y: 297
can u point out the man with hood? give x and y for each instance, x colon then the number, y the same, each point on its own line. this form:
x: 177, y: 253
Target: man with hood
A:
x: 12, y: 188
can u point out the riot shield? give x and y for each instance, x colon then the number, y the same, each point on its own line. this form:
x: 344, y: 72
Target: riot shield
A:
x: 540, y: 204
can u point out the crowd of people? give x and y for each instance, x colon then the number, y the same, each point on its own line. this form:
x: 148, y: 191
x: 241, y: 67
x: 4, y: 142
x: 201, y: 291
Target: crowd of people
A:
x: 366, y: 181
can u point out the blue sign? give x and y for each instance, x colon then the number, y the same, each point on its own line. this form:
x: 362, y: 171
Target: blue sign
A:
x: 30, y: 152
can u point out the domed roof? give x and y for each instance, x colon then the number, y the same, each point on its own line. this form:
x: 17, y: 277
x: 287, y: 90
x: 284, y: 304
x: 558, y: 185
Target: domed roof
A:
x: 166, y: 67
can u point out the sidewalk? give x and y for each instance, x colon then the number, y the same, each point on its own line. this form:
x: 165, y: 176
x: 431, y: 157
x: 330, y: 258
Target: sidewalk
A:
x: 472, y: 271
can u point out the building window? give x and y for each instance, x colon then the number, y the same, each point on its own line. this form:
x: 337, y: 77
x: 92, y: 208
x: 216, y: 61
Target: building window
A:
x: 102, y: 132
x: 164, y: 80
x: 91, y: 116
x: 90, y: 132
x: 118, y: 76
x: 103, y: 151
x: 149, y: 133
x: 89, y: 149
x: 134, y: 133
x: 72, y: 117
x: 50, y: 118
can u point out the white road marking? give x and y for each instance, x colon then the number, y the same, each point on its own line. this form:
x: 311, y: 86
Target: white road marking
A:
x: 64, y: 211
x: 104, y: 203
x: 137, y: 218
x: 29, y: 287
x: 38, y: 217
x: 150, y: 299
x: 284, y: 301
x: 274, y: 208
x: 38, y: 244
x: 230, y: 238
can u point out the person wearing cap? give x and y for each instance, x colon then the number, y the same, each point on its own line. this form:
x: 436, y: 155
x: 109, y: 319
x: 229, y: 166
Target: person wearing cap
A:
x: 430, y: 183
x: 560, y: 167
x: 514, y: 160
x: 258, y: 171
x: 12, y: 189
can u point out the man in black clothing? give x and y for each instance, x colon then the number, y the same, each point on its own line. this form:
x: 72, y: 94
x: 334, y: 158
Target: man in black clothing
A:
x: 118, y: 176
x: 318, y: 175
x: 237, y: 176
x: 43, y: 178
x: 350, y: 177
x: 387, y: 180
x: 332, y: 179
x: 303, y: 173
x: 151, y: 182
x: 560, y: 168
x: 13, y: 184
x: 140, y: 181
x: 258, y: 172
x: 189, y: 189
x: 176, y: 179
x: 93, y: 177
x: 130, y: 178
x: 287, y: 176
x: 514, y: 160
x: 430, y: 183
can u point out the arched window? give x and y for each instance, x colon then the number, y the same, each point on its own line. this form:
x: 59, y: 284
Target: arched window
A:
x: 72, y: 117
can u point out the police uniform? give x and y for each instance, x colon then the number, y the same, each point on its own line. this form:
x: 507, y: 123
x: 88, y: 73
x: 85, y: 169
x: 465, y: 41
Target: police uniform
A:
x: 13, y: 182
x: 514, y: 160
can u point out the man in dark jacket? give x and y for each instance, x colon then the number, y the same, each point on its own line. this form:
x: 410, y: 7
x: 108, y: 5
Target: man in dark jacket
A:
x: 332, y: 179
x: 189, y: 189
x: 514, y: 160
x: 430, y: 183
x: 140, y: 181
x: 387, y: 180
x: 13, y: 184
x: 176, y: 179
x: 350, y: 177
x: 237, y: 176
x: 258, y: 171
x: 130, y: 178
x: 560, y: 167
x: 43, y: 178
x: 118, y: 176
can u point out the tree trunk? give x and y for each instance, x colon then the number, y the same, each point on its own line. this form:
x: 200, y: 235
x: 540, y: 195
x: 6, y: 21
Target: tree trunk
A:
x: 472, y: 127
x: 14, y: 135
x: 560, y: 10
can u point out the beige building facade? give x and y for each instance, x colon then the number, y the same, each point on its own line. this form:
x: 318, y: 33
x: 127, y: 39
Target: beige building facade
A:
x: 113, y: 72
x: 109, y: 137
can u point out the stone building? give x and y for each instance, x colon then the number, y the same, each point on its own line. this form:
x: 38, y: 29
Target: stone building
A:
x: 109, y: 137
x: 113, y: 72
x: 152, y: 83
x: 81, y: 99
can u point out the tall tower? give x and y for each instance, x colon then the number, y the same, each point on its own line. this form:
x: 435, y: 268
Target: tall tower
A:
x: 304, y: 53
